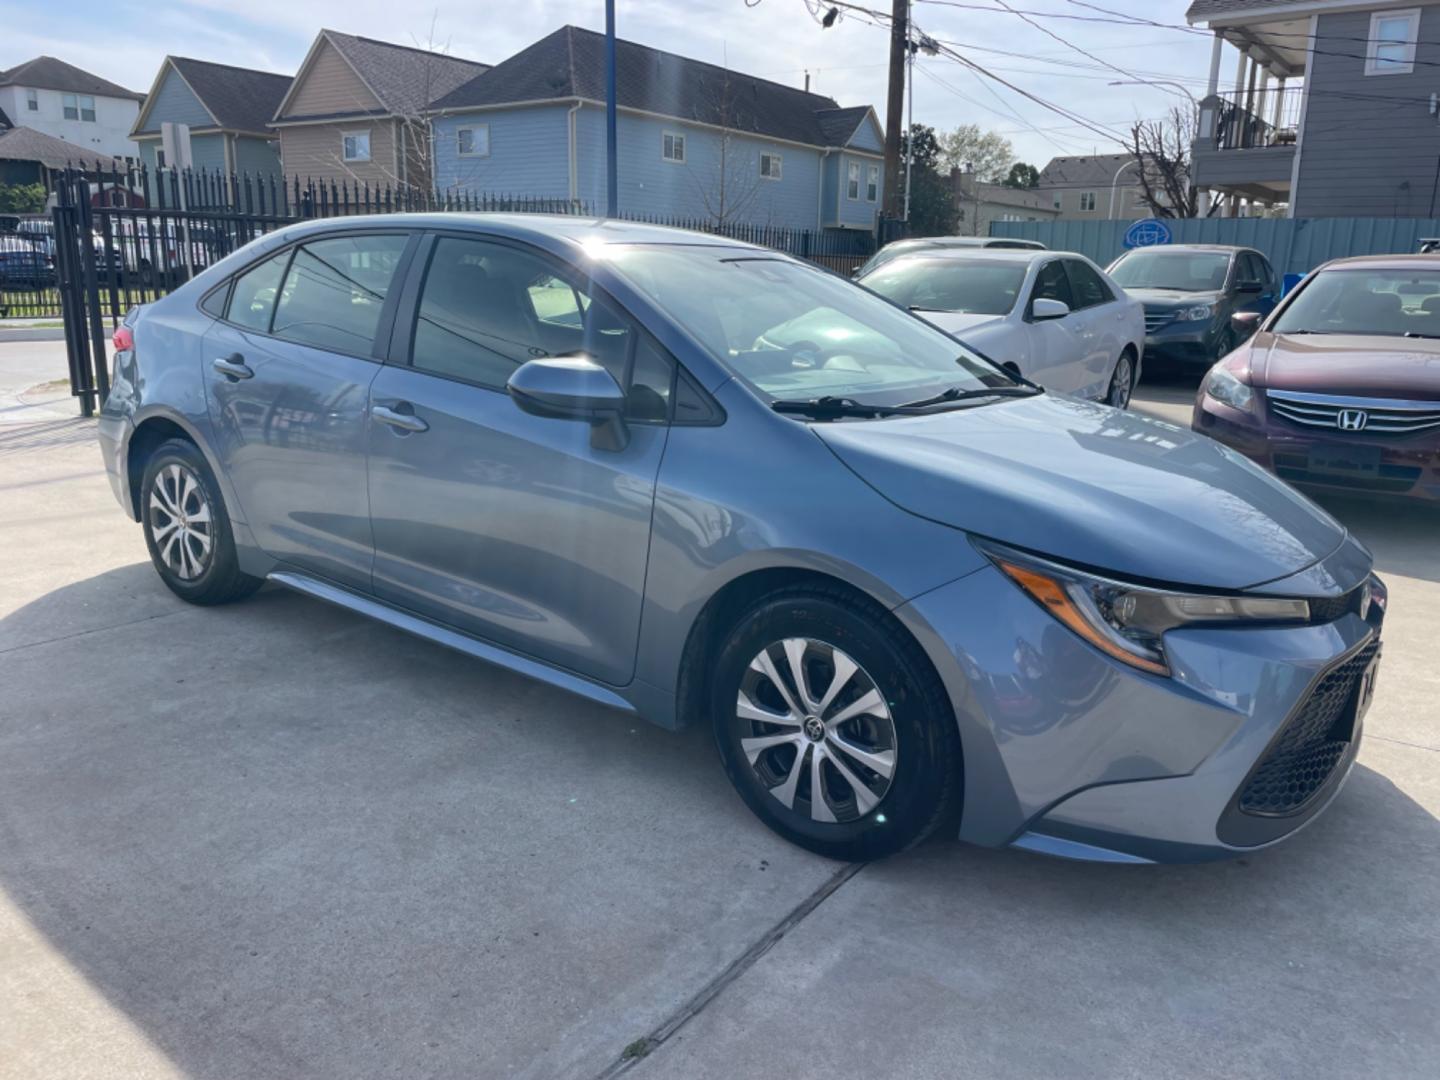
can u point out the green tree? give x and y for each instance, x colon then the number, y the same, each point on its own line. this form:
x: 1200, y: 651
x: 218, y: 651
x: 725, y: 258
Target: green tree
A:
x: 22, y: 198
x: 1022, y: 176
x: 932, y: 201
x: 987, y: 154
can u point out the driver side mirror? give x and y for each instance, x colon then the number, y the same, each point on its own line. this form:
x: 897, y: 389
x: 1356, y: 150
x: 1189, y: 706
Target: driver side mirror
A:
x: 1045, y: 308
x: 573, y: 388
x: 1245, y: 323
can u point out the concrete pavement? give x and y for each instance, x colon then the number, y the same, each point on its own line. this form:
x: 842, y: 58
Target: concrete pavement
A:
x: 277, y: 840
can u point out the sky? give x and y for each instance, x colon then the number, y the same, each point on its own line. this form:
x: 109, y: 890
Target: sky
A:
x: 125, y: 41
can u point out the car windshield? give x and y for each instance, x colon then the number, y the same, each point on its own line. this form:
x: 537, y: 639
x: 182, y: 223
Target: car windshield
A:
x: 792, y: 331
x: 1387, y: 302
x: 1179, y: 271
x: 969, y: 286
x: 889, y: 252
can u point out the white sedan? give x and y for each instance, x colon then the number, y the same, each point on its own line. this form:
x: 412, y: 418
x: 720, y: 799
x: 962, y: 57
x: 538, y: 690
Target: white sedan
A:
x: 1054, y: 316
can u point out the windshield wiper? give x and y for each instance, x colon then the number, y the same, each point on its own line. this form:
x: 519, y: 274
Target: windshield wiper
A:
x: 1417, y: 333
x: 829, y: 406
x: 937, y: 310
x: 956, y: 393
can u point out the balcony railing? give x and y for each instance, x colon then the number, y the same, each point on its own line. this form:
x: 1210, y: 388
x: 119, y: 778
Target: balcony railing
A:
x: 1265, y: 118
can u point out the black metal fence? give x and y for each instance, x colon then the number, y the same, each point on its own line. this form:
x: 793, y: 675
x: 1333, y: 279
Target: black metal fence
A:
x: 120, y: 237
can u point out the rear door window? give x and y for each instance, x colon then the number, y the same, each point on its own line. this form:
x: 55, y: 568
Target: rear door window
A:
x: 335, y: 290
x: 252, y: 299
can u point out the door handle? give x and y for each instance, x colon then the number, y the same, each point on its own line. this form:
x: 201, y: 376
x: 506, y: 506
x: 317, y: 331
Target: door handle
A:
x: 232, y: 367
x: 405, y: 421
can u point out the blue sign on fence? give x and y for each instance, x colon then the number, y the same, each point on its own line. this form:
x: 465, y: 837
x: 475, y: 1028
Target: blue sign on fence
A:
x: 1147, y: 233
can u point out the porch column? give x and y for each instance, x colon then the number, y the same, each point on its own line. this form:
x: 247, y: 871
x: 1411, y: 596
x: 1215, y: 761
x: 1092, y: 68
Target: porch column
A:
x: 1214, y: 83
x: 1240, y: 63
x: 1276, y: 115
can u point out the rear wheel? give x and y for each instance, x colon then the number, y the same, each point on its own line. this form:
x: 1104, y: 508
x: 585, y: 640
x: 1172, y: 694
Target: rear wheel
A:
x: 833, y: 726
x: 1122, y: 381
x: 187, y: 529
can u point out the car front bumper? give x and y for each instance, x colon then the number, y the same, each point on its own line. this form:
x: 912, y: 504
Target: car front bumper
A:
x: 1070, y: 753
x: 1186, y: 342
x: 1407, y: 467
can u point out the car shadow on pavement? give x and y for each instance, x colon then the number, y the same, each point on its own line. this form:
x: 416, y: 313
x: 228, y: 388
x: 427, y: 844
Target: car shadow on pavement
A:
x: 284, y: 840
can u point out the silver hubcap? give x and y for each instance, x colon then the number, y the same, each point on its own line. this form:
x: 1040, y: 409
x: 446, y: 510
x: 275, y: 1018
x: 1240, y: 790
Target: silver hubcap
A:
x: 180, y: 521
x: 816, y: 730
x: 1120, y: 384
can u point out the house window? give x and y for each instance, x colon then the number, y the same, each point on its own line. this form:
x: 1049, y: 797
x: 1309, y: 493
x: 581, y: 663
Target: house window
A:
x: 852, y: 186
x: 71, y: 106
x: 1087, y: 201
x: 770, y: 166
x: 355, y: 145
x: 87, y: 109
x: 1390, y: 49
x: 32, y: 100
x: 1057, y: 200
x: 78, y: 107
x: 474, y: 141
x: 872, y: 184
x: 672, y: 147
x: 961, y: 214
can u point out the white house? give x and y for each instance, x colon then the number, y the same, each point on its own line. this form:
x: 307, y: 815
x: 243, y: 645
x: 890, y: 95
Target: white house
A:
x: 58, y: 99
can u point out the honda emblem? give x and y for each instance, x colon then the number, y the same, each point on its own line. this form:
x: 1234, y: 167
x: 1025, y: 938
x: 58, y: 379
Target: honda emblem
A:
x: 1352, y: 420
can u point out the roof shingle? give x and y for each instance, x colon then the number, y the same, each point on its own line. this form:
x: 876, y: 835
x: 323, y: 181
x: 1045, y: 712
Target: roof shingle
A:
x: 48, y: 73
x: 570, y: 63
x: 239, y: 98
x: 407, y: 80
x: 27, y: 144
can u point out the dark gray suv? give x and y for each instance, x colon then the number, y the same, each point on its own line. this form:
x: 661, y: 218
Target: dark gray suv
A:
x: 1190, y: 292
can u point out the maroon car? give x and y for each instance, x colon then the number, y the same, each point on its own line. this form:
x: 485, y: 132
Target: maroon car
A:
x: 1340, y: 387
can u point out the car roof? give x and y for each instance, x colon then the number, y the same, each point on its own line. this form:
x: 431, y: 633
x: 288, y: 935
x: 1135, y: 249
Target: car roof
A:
x: 1385, y: 262
x: 1015, y: 255
x: 1228, y: 249
x: 568, y: 227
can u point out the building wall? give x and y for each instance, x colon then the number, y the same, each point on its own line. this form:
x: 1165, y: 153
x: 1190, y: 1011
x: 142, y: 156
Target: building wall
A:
x: 529, y: 153
x: 330, y: 86
x: 851, y: 213
x: 108, y: 135
x: 207, y: 151
x: 314, y: 151
x: 1360, y: 155
x: 1129, y: 201
x: 173, y: 102
x: 868, y: 137
x: 256, y: 156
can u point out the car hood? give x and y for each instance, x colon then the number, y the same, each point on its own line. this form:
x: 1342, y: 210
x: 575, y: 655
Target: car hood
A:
x: 1359, y: 364
x: 1166, y: 299
x: 1092, y: 486
x: 959, y: 323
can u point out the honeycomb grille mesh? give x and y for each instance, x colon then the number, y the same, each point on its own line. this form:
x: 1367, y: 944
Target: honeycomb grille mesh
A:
x: 1310, y: 746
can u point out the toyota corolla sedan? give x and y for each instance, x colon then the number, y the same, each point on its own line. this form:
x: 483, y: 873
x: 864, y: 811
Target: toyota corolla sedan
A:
x: 1053, y: 317
x: 905, y: 590
x: 1340, y: 388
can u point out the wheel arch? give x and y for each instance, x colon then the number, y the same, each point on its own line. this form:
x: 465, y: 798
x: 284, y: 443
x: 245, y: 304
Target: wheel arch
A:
x: 151, y: 430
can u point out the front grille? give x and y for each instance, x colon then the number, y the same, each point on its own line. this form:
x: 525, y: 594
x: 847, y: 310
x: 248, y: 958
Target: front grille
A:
x: 1310, y: 746
x: 1154, y: 320
x: 1328, y: 609
x: 1355, y: 416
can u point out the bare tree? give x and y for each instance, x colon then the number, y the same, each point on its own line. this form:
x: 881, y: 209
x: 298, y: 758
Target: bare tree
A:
x: 732, y: 187
x: 1162, y: 153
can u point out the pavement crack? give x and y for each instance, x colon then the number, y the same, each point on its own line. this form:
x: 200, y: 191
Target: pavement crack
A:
x: 647, y: 1045
x: 1403, y: 742
x: 91, y: 630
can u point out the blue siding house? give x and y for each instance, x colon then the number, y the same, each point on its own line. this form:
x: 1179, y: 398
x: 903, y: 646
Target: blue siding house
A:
x: 695, y: 140
x: 228, y: 110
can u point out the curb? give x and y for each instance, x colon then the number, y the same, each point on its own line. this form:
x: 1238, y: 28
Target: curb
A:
x: 52, y: 333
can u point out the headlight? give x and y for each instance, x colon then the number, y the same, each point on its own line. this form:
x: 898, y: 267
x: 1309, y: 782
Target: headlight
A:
x: 1228, y: 389
x: 1196, y: 313
x: 1128, y: 622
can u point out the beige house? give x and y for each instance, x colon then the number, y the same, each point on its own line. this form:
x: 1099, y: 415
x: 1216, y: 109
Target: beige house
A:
x: 1101, y: 186
x: 979, y: 202
x: 357, y: 110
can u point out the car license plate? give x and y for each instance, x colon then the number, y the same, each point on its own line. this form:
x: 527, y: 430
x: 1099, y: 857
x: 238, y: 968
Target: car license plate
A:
x: 1343, y: 460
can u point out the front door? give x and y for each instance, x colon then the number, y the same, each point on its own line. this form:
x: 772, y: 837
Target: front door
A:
x: 1057, y: 346
x: 1098, y: 317
x: 509, y: 526
x: 287, y: 375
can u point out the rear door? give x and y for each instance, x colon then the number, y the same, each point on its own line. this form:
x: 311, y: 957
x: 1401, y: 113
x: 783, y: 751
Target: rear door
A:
x: 1101, y: 318
x: 505, y: 525
x: 287, y: 374
x: 1056, y: 349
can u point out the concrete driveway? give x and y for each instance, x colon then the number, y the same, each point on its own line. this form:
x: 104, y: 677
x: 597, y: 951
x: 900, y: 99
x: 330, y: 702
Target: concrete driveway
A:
x: 277, y: 840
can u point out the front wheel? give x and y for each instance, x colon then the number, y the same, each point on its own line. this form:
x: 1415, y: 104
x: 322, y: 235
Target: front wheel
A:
x: 833, y: 727
x: 1122, y: 382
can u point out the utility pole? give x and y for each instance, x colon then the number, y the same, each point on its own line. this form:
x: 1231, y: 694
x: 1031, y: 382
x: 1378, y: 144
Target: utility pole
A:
x: 910, y: 108
x: 612, y: 189
x: 895, y: 106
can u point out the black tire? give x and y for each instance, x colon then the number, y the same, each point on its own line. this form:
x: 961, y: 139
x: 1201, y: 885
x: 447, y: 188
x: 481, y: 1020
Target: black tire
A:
x: 1228, y: 343
x: 196, y: 574
x: 925, y: 786
x: 1117, y: 395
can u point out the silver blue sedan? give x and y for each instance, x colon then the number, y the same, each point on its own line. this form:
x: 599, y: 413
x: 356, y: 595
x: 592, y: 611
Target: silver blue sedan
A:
x: 703, y: 482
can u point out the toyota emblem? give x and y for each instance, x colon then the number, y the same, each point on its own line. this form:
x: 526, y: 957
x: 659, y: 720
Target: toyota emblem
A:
x: 1352, y: 420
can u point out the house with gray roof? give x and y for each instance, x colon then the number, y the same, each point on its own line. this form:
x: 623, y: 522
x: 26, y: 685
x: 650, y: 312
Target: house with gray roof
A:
x: 1326, y: 107
x: 1101, y: 187
x: 69, y: 103
x: 696, y: 140
x: 227, y: 109
x: 978, y: 203
x: 28, y: 156
x: 357, y: 110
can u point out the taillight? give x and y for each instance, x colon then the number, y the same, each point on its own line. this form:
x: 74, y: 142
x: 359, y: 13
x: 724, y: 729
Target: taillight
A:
x: 123, y: 339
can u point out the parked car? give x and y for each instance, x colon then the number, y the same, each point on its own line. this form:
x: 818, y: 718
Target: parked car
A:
x: 896, y: 248
x: 1190, y: 291
x: 23, y: 265
x: 901, y: 587
x: 1054, y: 317
x: 1340, y: 388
